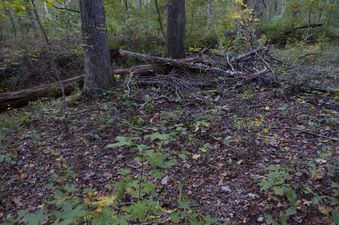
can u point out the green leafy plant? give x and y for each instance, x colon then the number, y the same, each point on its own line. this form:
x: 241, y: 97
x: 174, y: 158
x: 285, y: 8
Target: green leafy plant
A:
x: 276, y: 181
x: 202, y: 125
x: 123, y: 142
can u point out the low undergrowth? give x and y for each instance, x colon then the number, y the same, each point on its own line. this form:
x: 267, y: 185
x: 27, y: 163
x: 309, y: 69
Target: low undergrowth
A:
x: 248, y: 155
x: 206, y: 160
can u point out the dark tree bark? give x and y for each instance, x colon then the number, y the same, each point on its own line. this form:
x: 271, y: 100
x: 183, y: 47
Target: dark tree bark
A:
x: 1, y: 32
x: 209, y: 13
x: 176, y: 29
x: 140, y: 6
x: 97, y: 61
x: 22, y: 97
x: 259, y: 7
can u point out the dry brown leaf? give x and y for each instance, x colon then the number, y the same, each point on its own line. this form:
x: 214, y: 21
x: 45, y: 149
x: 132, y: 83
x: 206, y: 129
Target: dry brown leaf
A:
x: 325, y: 210
x: 14, y: 154
x: 307, y: 203
x: 17, y: 201
x: 22, y: 174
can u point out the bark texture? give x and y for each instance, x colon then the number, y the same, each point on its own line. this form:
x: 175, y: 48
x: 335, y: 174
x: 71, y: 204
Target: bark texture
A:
x: 98, y: 68
x: 22, y: 97
x: 139, y: 6
x: 176, y: 29
x: 180, y: 64
x: 1, y: 32
x: 209, y: 13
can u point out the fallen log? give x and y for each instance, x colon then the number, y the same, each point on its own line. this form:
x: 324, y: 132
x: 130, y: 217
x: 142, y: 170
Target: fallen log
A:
x: 181, y: 64
x: 15, y: 99
x: 283, y: 37
x: 295, y: 29
x: 153, y: 68
x: 19, y: 98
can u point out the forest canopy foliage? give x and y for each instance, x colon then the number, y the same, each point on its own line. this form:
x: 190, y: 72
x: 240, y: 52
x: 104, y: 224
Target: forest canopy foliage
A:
x: 139, y: 28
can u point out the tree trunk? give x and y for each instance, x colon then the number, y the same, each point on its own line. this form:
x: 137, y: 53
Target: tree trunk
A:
x: 148, y: 3
x: 283, y: 6
x: 46, y: 8
x: 31, y: 18
x: 270, y: 9
x: 97, y: 61
x: 139, y: 6
x: 176, y: 29
x: 259, y: 7
x: 1, y: 32
x: 209, y: 13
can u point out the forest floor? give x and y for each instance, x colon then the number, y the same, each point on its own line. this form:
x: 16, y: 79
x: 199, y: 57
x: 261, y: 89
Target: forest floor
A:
x: 239, y: 156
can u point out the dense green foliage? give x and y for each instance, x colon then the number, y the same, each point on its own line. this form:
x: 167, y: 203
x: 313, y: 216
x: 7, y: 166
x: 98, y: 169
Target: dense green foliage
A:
x: 141, y: 30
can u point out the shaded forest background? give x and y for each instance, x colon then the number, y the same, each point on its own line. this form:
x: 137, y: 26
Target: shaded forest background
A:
x: 141, y: 26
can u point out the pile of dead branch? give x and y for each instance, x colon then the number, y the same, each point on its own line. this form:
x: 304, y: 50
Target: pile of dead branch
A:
x: 204, y: 70
x: 207, y: 71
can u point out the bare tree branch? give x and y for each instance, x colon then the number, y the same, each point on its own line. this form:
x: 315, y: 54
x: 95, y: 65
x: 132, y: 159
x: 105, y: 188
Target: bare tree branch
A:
x: 66, y: 9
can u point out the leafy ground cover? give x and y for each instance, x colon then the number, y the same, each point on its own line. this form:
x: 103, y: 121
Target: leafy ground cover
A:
x: 253, y: 155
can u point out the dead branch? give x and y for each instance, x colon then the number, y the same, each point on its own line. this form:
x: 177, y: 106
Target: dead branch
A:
x: 181, y: 64
x: 185, y: 75
x: 162, y: 97
x: 23, y: 97
x: 293, y: 30
x: 306, y: 132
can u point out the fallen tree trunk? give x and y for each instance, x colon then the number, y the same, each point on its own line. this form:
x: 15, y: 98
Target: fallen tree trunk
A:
x: 283, y: 37
x: 293, y: 30
x: 152, y: 68
x: 19, y: 98
x: 181, y: 64
x: 15, y: 99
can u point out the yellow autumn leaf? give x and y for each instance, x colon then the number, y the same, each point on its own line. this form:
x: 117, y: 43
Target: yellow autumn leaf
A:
x: 105, y: 201
x: 168, y: 211
x: 14, y: 153
x: 88, y: 201
x: 98, y: 210
x: 325, y: 210
x: 317, y: 176
x: 117, y: 76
